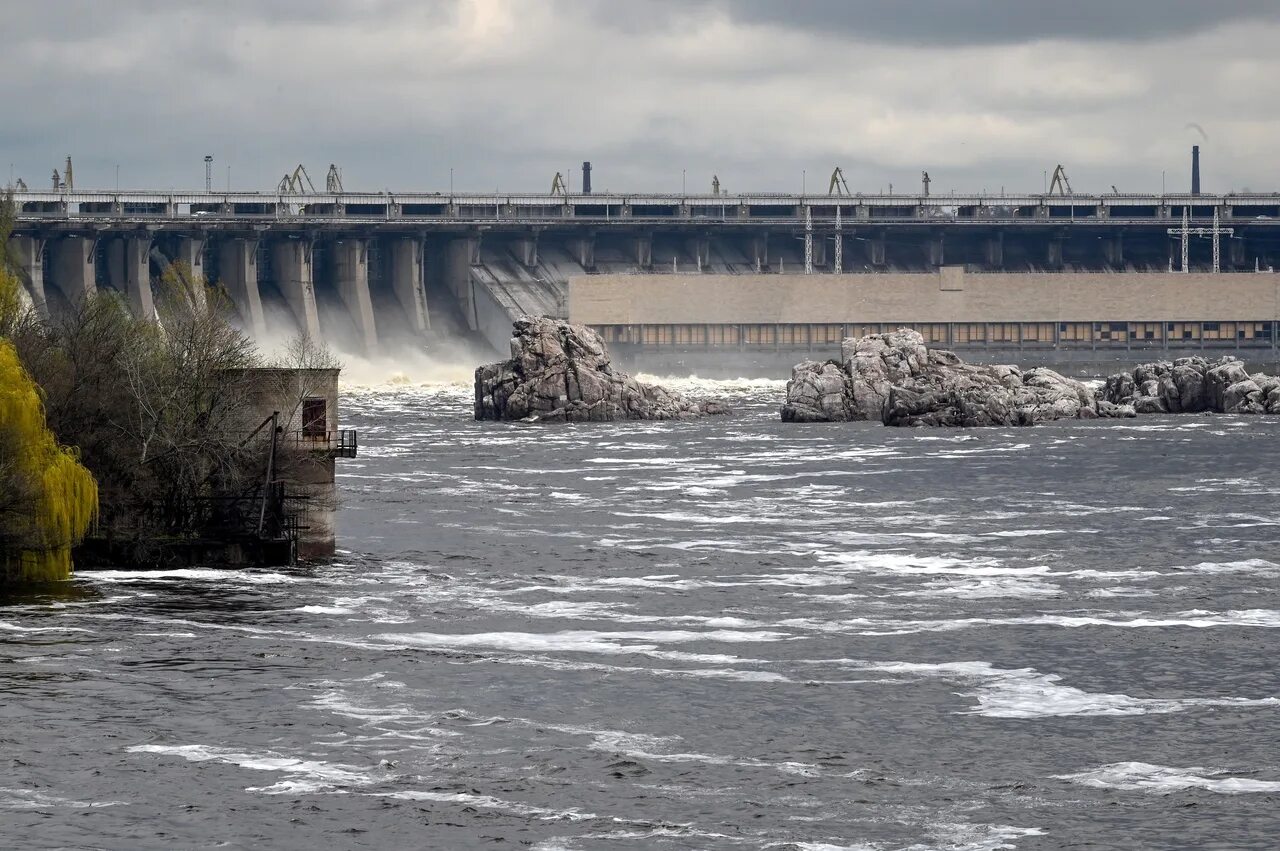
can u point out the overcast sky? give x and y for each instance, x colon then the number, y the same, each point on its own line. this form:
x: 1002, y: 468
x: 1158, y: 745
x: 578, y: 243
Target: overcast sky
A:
x: 983, y: 95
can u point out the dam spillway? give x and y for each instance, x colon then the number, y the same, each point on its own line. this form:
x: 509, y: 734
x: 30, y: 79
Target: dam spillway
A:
x: 365, y: 271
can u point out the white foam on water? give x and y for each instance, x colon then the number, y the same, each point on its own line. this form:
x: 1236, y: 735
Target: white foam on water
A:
x: 1037, y: 533
x: 13, y: 627
x: 301, y: 775
x: 487, y: 802
x: 325, y: 610
x: 1259, y: 565
x: 730, y: 674
x: 1026, y: 693
x: 248, y: 576
x: 1145, y: 777
x: 575, y: 641
x: 32, y: 799
x: 951, y: 837
x: 1196, y: 619
x: 980, y: 588
x: 908, y: 563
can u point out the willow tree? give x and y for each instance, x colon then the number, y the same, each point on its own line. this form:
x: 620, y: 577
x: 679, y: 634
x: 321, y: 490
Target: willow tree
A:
x: 48, y: 499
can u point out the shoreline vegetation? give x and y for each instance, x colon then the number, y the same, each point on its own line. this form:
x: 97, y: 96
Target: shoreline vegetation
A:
x: 126, y: 434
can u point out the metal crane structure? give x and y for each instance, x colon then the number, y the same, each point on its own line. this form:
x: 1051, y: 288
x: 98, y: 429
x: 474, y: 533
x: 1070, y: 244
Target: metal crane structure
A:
x: 333, y: 180
x: 924, y: 183
x: 297, y: 183
x: 558, y: 187
x: 1060, y: 182
x: 838, y: 185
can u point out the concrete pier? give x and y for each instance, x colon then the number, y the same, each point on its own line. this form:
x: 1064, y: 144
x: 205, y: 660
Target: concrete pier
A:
x: 527, y: 250
x: 351, y: 274
x: 74, y: 268
x: 238, y: 264
x: 129, y: 272
x: 295, y: 276
x: 460, y: 256
x: 407, y: 282
x: 993, y: 248
x: 27, y: 254
x: 191, y: 253
x: 644, y: 250
x: 876, y: 250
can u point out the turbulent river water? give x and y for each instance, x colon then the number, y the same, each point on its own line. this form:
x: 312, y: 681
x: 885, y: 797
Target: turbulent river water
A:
x: 727, y: 634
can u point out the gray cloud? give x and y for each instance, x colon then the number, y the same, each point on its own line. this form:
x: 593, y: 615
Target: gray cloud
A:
x: 953, y: 22
x: 507, y: 92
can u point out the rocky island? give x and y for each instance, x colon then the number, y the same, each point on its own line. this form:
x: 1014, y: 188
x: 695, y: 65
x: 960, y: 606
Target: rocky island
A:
x: 1192, y: 385
x: 560, y: 372
x: 896, y: 379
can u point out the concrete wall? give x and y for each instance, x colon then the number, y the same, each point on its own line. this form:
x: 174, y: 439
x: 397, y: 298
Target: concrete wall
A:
x: 306, y: 464
x: 950, y: 295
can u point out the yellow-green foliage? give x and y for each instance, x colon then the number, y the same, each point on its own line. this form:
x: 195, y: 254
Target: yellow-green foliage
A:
x: 51, y: 499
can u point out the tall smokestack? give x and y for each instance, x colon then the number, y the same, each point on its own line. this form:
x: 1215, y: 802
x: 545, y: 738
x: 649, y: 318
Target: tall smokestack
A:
x: 586, y: 178
x: 1195, y: 169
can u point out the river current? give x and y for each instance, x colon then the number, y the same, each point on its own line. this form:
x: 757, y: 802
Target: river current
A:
x: 726, y: 634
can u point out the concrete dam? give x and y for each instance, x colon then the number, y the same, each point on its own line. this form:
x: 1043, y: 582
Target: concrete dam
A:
x: 707, y: 283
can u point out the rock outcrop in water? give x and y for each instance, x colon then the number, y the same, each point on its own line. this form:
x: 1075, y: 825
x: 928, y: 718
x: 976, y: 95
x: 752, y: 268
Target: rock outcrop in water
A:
x: 560, y: 372
x: 896, y: 379
x: 1194, y: 384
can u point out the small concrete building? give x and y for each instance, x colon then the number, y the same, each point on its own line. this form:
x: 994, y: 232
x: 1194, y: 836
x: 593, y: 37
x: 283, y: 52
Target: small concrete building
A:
x: 308, y: 443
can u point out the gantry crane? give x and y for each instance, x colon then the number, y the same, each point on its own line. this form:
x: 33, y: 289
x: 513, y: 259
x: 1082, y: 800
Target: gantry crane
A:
x: 333, y: 180
x: 1060, y: 181
x: 298, y: 183
x: 838, y: 186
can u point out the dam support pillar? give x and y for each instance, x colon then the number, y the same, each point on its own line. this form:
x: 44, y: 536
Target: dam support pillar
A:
x: 27, y: 254
x: 644, y: 250
x: 461, y: 255
x: 1113, y: 250
x: 75, y: 268
x: 191, y: 254
x: 700, y: 248
x: 351, y: 273
x: 1235, y: 253
x: 1053, y: 256
x: 876, y: 249
x: 760, y: 249
x: 935, y: 253
x: 527, y: 250
x: 994, y: 246
x: 291, y: 259
x: 584, y: 250
x: 129, y: 271
x: 407, y: 281
x: 238, y: 263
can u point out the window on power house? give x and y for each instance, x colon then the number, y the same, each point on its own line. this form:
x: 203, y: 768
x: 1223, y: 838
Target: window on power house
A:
x: 314, y: 418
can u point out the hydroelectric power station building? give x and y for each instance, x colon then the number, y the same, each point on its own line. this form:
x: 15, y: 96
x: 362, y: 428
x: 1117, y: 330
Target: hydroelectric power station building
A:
x: 698, y: 282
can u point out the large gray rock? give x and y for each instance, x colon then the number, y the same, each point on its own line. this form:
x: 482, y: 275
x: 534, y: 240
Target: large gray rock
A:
x: 819, y: 392
x: 560, y: 372
x: 1191, y: 385
x: 896, y: 379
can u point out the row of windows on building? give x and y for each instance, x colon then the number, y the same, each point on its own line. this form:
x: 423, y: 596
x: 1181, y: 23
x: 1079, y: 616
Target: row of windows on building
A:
x: 1092, y: 334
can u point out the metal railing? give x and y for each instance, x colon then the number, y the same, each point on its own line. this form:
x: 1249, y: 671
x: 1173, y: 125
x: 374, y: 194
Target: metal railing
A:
x: 343, y: 443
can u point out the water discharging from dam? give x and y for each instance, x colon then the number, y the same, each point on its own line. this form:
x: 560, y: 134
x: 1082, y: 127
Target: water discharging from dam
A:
x: 720, y: 634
